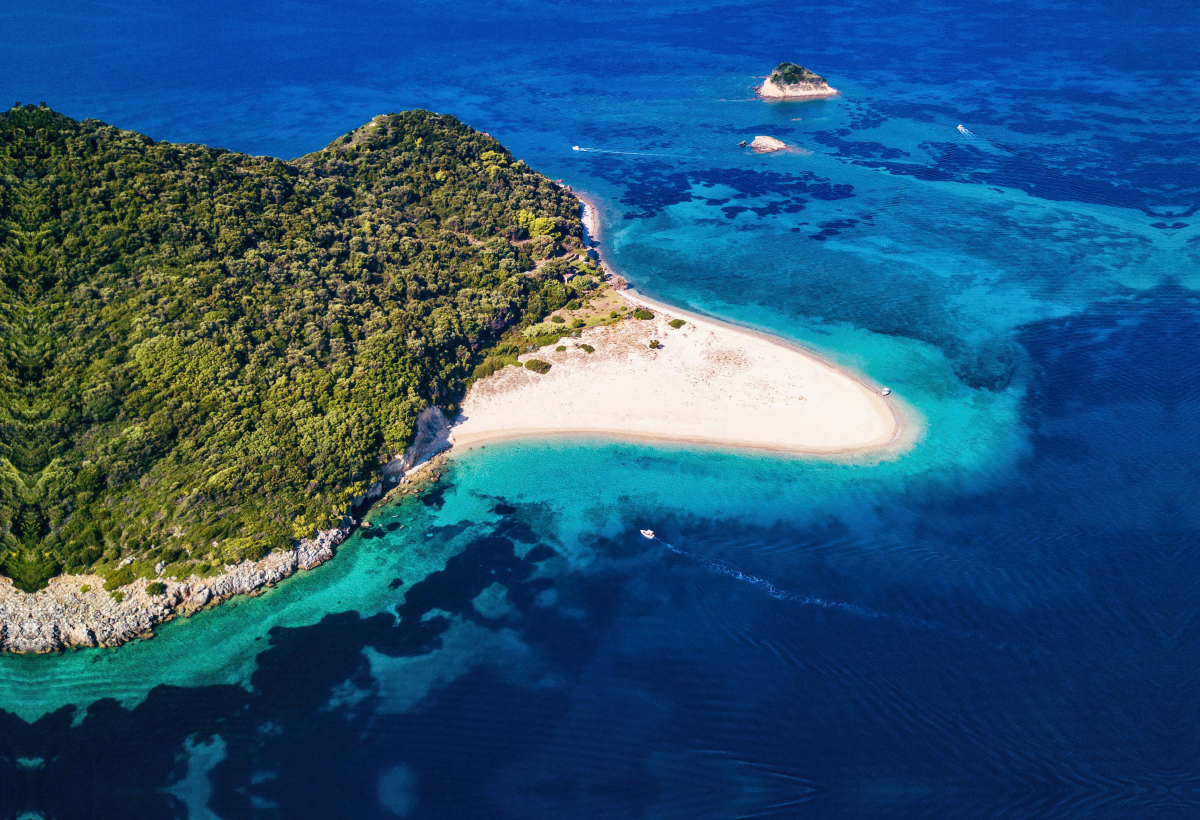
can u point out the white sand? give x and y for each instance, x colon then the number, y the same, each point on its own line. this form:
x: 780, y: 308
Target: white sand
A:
x: 709, y: 383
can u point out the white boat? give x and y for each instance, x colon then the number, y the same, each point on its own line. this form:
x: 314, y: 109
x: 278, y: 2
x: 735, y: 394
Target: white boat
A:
x: 887, y: 391
x: 575, y: 148
x: 963, y: 129
x: 648, y: 533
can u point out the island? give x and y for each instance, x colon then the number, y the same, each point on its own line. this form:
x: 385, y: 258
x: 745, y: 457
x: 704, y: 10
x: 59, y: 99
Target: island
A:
x: 214, y: 363
x: 794, y: 82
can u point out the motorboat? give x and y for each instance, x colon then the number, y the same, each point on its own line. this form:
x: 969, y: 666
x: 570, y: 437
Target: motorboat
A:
x: 647, y: 533
x: 887, y: 391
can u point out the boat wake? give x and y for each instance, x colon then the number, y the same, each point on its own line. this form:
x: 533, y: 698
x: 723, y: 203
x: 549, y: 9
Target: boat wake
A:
x: 630, y: 153
x: 767, y: 587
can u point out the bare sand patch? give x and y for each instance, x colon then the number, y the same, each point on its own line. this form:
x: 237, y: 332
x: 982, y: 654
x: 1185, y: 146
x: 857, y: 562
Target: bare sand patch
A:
x: 708, y: 383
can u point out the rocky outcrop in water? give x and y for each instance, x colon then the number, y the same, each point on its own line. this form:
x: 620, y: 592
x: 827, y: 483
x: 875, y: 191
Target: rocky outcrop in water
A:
x: 767, y: 145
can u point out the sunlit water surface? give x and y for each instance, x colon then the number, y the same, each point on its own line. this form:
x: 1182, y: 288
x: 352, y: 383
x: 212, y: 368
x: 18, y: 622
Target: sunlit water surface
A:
x: 1000, y: 621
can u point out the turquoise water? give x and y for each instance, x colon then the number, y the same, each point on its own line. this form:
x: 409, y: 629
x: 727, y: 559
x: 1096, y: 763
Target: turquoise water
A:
x: 999, y: 621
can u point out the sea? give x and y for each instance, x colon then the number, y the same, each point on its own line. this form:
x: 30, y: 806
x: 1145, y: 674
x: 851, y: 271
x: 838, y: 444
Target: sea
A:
x: 996, y: 219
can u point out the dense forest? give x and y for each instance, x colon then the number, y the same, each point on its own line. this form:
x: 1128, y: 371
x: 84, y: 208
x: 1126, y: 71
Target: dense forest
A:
x: 205, y: 355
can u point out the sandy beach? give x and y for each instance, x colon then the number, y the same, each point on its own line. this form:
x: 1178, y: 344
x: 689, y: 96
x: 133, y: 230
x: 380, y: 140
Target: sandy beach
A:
x: 708, y: 383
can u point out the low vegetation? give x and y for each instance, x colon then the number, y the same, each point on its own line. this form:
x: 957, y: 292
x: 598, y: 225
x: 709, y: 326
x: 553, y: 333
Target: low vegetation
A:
x: 790, y: 74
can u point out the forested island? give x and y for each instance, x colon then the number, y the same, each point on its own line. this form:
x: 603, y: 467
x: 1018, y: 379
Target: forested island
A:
x: 206, y: 356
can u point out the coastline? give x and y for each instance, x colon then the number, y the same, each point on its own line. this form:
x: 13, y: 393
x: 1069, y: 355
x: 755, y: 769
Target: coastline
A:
x: 693, y: 382
x: 906, y: 426
x: 76, y: 611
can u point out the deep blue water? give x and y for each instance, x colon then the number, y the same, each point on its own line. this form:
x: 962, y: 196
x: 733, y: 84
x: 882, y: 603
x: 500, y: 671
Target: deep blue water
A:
x: 1004, y: 621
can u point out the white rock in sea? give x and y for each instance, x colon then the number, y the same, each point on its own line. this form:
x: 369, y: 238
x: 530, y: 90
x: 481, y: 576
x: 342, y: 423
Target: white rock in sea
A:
x: 767, y: 145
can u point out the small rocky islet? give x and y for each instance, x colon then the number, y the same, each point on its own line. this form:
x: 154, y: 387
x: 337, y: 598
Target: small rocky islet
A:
x: 795, y: 82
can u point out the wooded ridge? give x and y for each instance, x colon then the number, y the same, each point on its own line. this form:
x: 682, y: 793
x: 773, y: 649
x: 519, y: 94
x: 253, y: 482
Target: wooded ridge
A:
x: 205, y: 355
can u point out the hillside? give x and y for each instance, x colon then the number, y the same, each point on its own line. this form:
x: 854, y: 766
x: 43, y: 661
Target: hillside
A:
x: 205, y: 355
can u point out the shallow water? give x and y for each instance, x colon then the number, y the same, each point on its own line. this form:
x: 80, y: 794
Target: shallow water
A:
x: 1001, y: 621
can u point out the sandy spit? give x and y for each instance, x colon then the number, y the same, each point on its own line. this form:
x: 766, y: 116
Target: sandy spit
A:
x: 708, y: 383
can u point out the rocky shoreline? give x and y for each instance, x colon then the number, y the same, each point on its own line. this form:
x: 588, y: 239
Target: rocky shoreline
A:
x: 76, y: 610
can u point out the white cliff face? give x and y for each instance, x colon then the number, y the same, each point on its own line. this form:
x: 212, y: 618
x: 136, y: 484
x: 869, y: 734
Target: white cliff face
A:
x: 433, y: 436
x: 796, y: 91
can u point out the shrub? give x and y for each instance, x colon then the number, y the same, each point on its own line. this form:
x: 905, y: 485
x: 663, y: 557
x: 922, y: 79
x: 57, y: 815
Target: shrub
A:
x: 119, y: 578
x: 654, y: 344
x: 537, y: 366
x: 117, y: 595
x: 543, y: 247
x: 616, y: 314
x: 560, y: 349
x: 642, y: 313
x: 489, y: 366
x: 156, y: 588
x: 586, y: 348
x: 86, y: 588
x: 255, y: 551
x: 558, y: 320
x: 574, y: 304
x: 578, y: 323
x: 790, y: 73
x: 278, y: 542
x: 677, y: 323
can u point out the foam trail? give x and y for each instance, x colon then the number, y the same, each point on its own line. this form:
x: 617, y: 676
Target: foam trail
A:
x: 1029, y: 157
x: 777, y: 593
x: 631, y: 153
x: 794, y: 597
